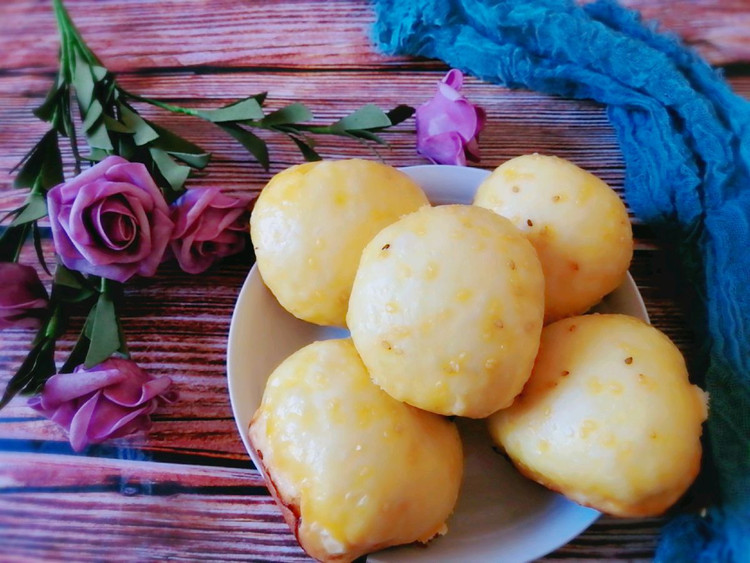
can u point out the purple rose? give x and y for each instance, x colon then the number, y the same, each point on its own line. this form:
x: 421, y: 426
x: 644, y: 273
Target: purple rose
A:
x: 448, y: 125
x: 110, y: 221
x: 208, y: 225
x: 23, y: 299
x: 113, y: 399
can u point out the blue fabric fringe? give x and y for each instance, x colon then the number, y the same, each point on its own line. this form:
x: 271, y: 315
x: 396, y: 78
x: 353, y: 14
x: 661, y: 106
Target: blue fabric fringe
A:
x: 685, y: 138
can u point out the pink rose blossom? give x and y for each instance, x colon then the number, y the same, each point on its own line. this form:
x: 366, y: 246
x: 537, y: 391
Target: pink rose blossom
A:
x: 110, y: 221
x: 448, y: 124
x: 23, y: 299
x: 110, y: 400
x: 208, y: 225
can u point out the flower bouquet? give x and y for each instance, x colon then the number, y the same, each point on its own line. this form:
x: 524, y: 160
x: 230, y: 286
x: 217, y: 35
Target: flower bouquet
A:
x: 126, y: 209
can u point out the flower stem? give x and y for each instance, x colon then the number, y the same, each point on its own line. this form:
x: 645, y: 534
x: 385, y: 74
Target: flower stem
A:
x: 71, y: 39
x: 157, y: 103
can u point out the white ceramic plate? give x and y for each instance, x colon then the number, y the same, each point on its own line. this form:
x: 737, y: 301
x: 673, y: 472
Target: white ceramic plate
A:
x: 500, y: 516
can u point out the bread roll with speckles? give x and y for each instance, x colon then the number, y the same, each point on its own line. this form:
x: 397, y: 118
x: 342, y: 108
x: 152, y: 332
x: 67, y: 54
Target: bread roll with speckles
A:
x: 312, y: 221
x: 608, y: 417
x: 353, y: 469
x: 577, y: 224
x: 446, y: 310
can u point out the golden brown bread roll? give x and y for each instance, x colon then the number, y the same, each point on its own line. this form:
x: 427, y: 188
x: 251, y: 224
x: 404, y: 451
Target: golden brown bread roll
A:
x: 353, y: 469
x: 608, y: 417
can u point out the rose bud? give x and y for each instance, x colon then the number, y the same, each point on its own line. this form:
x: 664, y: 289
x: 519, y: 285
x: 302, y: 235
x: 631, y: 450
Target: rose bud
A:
x: 448, y: 124
x: 110, y: 400
x: 208, y: 225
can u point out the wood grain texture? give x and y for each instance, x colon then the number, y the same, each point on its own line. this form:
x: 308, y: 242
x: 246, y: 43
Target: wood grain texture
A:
x: 285, y: 34
x: 187, y: 490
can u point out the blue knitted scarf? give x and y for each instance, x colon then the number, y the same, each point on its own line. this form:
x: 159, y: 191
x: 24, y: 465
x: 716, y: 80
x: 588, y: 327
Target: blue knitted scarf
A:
x: 685, y: 138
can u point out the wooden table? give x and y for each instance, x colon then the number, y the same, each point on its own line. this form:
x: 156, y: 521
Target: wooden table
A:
x: 188, y: 490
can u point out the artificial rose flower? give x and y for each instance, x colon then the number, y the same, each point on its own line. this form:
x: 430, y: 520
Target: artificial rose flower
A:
x: 110, y: 400
x: 110, y: 221
x: 448, y: 124
x: 208, y: 225
x: 23, y: 299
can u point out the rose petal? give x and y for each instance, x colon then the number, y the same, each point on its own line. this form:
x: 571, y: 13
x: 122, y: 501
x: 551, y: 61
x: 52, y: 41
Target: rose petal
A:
x: 121, y: 404
x: 128, y: 395
x: 64, y: 387
x: 159, y: 239
x: 108, y: 418
x: 79, y: 426
x: 68, y: 190
x: 115, y: 223
x: 137, y: 174
x: 454, y: 79
x: 441, y: 115
x: 445, y: 148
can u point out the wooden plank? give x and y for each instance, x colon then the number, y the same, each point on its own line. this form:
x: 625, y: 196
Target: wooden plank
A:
x: 74, y: 508
x: 142, y: 510
x: 303, y: 33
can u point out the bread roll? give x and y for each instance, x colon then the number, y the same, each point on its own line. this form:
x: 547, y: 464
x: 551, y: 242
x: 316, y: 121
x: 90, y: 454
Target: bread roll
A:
x: 608, y: 417
x: 577, y: 224
x: 353, y: 469
x: 312, y: 221
x: 446, y: 310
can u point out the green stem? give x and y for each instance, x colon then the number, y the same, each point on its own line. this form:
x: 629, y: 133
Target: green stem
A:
x: 21, y: 241
x: 70, y: 37
x: 162, y: 105
x: 53, y: 329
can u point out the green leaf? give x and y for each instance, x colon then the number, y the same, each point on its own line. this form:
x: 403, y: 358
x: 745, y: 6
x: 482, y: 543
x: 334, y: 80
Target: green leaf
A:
x: 171, y: 142
x: 195, y: 160
x: 294, y: 113
x: 67, y: 277
x: 78, y: 353
x: 37, y: 237
x: 242, y: 110
x: 99, y: 72
x: 180, y: 148
x: 42, y: 165
x: 96, y: 155
x: 105, y: 337
x: 46, y: 111
x: 98, y: 137
x: 367, y: 135
x: 38, y: 366
x: 11, y: 240
x: 83, y: 82
x: 117, y: 126
x: 250, y: 141
x: 34, y: 208
x: 143, y: 133
x: 173, y: 173
x: 93, y: 114
x: 400, y: 114
x: 366, y: 117
x: 307, y: 151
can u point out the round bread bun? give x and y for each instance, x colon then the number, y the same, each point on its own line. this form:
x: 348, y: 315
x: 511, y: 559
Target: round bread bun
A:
x: 446, y: 310
x: 312, y: 221
x: 608, y: 417
x: 577, y: 224
x: 353, y: 469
